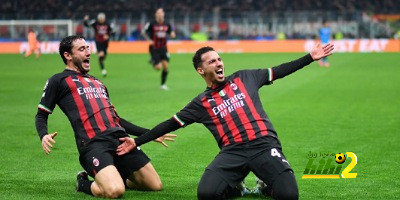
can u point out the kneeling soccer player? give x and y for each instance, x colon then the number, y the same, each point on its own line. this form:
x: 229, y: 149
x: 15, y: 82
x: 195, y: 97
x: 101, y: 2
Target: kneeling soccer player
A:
x: 85, y: 101
x: 231, y: 109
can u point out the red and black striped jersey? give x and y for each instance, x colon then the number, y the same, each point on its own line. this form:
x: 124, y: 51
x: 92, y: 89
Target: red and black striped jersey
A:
x: 232, y: 111
x: 158, y: 32
x: 85, y: 101
x: 100, y: 30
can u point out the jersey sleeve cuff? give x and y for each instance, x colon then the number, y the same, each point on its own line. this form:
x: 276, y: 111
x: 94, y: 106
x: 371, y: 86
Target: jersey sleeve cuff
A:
x: 179, y: 121
x: 270, y: 75
x: 44, y: 108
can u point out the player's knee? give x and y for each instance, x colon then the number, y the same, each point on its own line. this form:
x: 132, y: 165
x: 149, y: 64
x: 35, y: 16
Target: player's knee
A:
x: 285, y: 186
x: 165, y: 67
x: 157, y: 66
x: 114, y: 192
x: 207, y: 193
x: 156, y: 186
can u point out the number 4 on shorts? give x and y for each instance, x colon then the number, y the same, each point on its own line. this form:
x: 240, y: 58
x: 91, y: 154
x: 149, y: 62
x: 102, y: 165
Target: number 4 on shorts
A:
x: 275, y: 152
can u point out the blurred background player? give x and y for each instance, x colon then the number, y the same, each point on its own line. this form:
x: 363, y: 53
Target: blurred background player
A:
x: 325, y: 34
x: 156, y: 33
x: 33, y: 45
x: 102, y: 31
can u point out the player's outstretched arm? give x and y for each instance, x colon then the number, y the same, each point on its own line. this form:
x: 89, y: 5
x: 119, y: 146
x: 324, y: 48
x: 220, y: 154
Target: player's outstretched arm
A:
x: 132, y: 129
x: 135, y: 130
x: 86, y: 20
x: 167, y: 137
x: 319, y: 51
x: 316, y: 53
x: 158, y: 131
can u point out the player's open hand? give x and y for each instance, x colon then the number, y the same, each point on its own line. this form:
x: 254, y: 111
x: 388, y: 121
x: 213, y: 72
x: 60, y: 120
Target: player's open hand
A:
x: 127, y: 145
x: 47, y: 142
x: 320, y: 51
x: 166, y: 137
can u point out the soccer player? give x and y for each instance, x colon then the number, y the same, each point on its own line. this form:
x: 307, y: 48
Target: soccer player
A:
x: 85, y: 101
x: 156, y: 33
x: 102, y: 31
x: 33, y: 45
x: 325, y: 35
x: 231, y: 109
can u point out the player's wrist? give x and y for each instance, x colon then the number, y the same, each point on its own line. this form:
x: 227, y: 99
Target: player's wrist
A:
x: 42, y: 135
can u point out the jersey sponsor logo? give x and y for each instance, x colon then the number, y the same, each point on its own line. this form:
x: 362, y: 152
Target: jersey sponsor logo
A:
x: 229, y: 105
x: 102, y: 29
x: 161, y: 34
x: 92, y: 92
x: 161, y: 28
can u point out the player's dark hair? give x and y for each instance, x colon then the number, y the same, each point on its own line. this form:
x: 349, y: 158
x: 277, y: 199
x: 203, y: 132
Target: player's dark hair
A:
x: 197, y: 56
x: 66, y: 45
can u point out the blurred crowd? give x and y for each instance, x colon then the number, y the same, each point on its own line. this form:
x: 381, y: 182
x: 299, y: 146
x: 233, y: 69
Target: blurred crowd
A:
x: 214, y: 19
x: 74, y: 9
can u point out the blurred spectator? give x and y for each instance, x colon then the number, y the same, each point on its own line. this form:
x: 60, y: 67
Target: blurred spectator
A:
x: 59, y: 9
x: 230, y: 22
x: 281, y: 36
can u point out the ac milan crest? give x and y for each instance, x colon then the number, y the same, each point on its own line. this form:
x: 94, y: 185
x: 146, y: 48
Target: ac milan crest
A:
x: 234, y: 86
x: 96, y: 162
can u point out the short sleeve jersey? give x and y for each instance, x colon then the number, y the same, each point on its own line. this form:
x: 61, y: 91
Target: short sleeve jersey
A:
x: 158, y: 33
x: 232, y: 111
x: 85, y: 101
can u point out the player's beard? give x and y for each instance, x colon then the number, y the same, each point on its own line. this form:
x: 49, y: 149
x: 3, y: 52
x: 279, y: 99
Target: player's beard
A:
x: 78, y: 64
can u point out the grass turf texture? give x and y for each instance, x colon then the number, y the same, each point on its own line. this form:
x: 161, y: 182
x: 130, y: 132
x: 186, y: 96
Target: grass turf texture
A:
x: 351, y: 106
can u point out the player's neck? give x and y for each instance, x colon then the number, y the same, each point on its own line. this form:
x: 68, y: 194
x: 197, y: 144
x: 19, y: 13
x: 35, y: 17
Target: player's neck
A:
x: 72, y: 68
x: 213, y: 85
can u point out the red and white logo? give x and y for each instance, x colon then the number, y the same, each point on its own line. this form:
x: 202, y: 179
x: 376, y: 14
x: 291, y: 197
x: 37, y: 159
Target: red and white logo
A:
x: 234, y: 86
x: 96, y: 162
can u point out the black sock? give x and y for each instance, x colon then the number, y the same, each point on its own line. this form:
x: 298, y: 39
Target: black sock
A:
x: 163, y: 77
x: 84, y: 186
x: 101, y: 61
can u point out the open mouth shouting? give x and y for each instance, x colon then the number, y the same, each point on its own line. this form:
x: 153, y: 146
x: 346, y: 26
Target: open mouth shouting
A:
x: 220, y: 73
x: 86, y: 63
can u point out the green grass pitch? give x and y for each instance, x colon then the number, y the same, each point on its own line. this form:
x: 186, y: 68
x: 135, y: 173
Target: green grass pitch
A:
x: 353, y: 106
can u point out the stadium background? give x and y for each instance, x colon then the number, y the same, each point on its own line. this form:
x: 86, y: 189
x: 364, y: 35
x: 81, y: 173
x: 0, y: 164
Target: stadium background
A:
x: 351, y: 106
